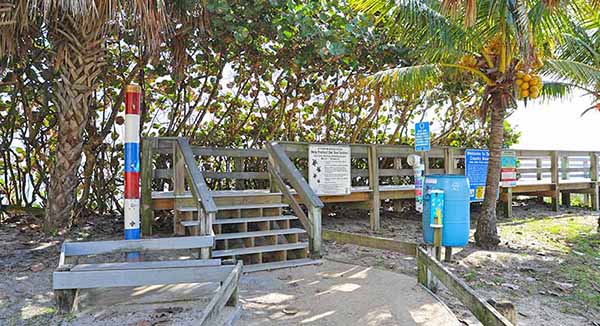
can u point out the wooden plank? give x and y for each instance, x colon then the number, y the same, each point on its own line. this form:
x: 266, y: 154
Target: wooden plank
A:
x: 102, y: 247
x: 252, y: 206
x: 147, y: 213
x: 146, y: 265
x: 162, y: 173
x: 395, y: 172
x: 226, y: 295
x: 508, y: 211
x: 228, y: 152
x: 482, y: 310
x: 178, y: 188
x: 138, y: 277
x: 253, y: 250
x: 254, y: 219
x: 236, y: 175
x: 254, y: 234
x: 374, y: 200
x: 407, y: 248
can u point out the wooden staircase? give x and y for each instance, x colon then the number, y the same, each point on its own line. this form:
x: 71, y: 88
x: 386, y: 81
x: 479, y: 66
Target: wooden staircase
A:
x: 254, y: 226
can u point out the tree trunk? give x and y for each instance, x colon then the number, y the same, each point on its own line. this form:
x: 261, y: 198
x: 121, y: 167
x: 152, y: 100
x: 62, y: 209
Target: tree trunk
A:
x: 486, y: 235
x: 78, y: 62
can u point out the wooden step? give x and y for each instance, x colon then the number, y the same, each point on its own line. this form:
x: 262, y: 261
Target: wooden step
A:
x: 251, y: 206
x: 235, y: 207
x: 191, y: 223
x: 281, y: 264
x: 255, y: 250
x: 254, y: 219
x: 254, y: 234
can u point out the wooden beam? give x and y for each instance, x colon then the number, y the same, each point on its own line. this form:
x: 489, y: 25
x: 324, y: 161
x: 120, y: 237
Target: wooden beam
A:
x: 554, y: 158
x: 147, y: 213
x: 482, y: 310
x: 375, y: 201
x: 407, y: 248
x: 227, y: 295
x: 594, y: 197
x: 138, y: 277
x: 104, y: 247
x: 508, y: 203
x: 314, y: 214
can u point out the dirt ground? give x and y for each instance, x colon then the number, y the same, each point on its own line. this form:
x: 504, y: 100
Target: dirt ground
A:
x: 548, y: 263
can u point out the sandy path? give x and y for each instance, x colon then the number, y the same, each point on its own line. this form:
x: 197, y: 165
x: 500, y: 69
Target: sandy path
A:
x: 339, y: 294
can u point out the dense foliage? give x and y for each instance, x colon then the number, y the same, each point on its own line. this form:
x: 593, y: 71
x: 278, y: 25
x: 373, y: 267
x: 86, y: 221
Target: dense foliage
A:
x: 253, y: 71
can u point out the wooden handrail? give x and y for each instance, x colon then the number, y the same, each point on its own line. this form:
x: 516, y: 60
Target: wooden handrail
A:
x: 306, y: 223
x: 198, y: 185
x: 291, y: 173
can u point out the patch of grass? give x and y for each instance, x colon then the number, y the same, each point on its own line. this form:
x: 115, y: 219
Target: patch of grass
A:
x: 470, y: 277
x: 576, y: 238
x: 553, y: 233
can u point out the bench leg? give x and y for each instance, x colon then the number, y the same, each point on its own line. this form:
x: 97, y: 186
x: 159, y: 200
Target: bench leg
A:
x: 67, y: 300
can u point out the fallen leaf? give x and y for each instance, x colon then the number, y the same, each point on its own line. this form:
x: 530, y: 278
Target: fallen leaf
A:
x: 37, y: 267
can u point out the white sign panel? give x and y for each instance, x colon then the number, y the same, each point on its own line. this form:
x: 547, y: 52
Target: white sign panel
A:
x: 329, y: 169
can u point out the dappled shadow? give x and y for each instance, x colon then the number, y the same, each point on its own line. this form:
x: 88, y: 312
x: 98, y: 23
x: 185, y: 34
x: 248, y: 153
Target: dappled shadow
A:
x: 338, y: 294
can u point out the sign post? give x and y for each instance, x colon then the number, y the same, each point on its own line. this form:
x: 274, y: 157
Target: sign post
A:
x: 329, y: 169
x: 132, y: 166
x: 422, y: 144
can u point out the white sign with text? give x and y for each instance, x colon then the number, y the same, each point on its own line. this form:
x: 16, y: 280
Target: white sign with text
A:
x: 329, y: 169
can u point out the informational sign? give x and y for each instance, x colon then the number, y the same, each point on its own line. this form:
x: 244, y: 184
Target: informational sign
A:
x: 508, y: 170
x: 476, y: 165
x: 329, y: 169
x: 422, y: 137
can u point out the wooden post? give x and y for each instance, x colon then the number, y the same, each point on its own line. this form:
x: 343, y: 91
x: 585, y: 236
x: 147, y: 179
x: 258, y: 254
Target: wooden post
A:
x: 178, y: 188
x: 374, y: 187
x: 538, y: 165
x: 554, y: 157
x: 314, y: 214
x: 238, y: 166
x: 594, y: 179
x: 508, y: 203
x: 146, y: 184
x: 538, y: 175
x: 397, y: 165
x: 448, y: 254
x: 449, y: 161
x: 564, y: 167
x: 67, y: 300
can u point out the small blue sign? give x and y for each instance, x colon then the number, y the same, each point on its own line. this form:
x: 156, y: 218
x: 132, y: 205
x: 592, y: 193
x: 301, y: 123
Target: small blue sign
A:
x: 476, y: 166
x: 422, y: 137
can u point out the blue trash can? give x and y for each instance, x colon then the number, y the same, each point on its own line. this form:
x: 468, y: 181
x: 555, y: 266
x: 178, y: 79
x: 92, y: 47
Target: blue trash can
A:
x: 456, y: 217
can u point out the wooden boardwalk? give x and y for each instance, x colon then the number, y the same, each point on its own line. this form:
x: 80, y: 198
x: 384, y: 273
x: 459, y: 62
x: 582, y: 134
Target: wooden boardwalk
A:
x: 379, y: 173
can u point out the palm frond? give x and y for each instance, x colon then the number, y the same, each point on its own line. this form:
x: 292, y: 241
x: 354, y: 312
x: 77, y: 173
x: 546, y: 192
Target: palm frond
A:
x: 575, y: 72
x: 557, y: 90
x: 406, y: 81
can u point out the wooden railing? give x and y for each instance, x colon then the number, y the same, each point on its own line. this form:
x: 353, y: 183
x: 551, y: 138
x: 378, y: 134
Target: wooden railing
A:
x: 281, y: 167
x: 375, y: 168
x: 184, y: 168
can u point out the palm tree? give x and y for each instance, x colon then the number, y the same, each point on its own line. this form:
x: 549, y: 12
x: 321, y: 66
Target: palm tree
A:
x: 77, y: 31
x: 502, y: 44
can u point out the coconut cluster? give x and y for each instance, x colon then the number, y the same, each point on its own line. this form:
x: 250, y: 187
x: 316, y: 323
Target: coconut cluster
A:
x: 529, y: 85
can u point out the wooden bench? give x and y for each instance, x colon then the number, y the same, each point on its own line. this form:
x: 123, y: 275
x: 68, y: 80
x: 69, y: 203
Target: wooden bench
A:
x: 67, y: 279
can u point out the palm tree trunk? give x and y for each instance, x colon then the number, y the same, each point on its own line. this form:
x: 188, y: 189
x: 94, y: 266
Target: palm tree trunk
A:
x: 78, y: 61
x: 486, y: 235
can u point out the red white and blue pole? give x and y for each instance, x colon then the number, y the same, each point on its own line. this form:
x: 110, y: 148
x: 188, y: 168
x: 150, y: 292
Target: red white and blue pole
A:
x: 132, y: 166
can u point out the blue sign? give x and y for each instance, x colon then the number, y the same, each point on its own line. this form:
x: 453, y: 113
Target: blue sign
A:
x: 422, y: 138
x: 476, y: 166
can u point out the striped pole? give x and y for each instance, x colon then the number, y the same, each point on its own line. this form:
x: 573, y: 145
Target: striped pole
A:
x: 132, y: 166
